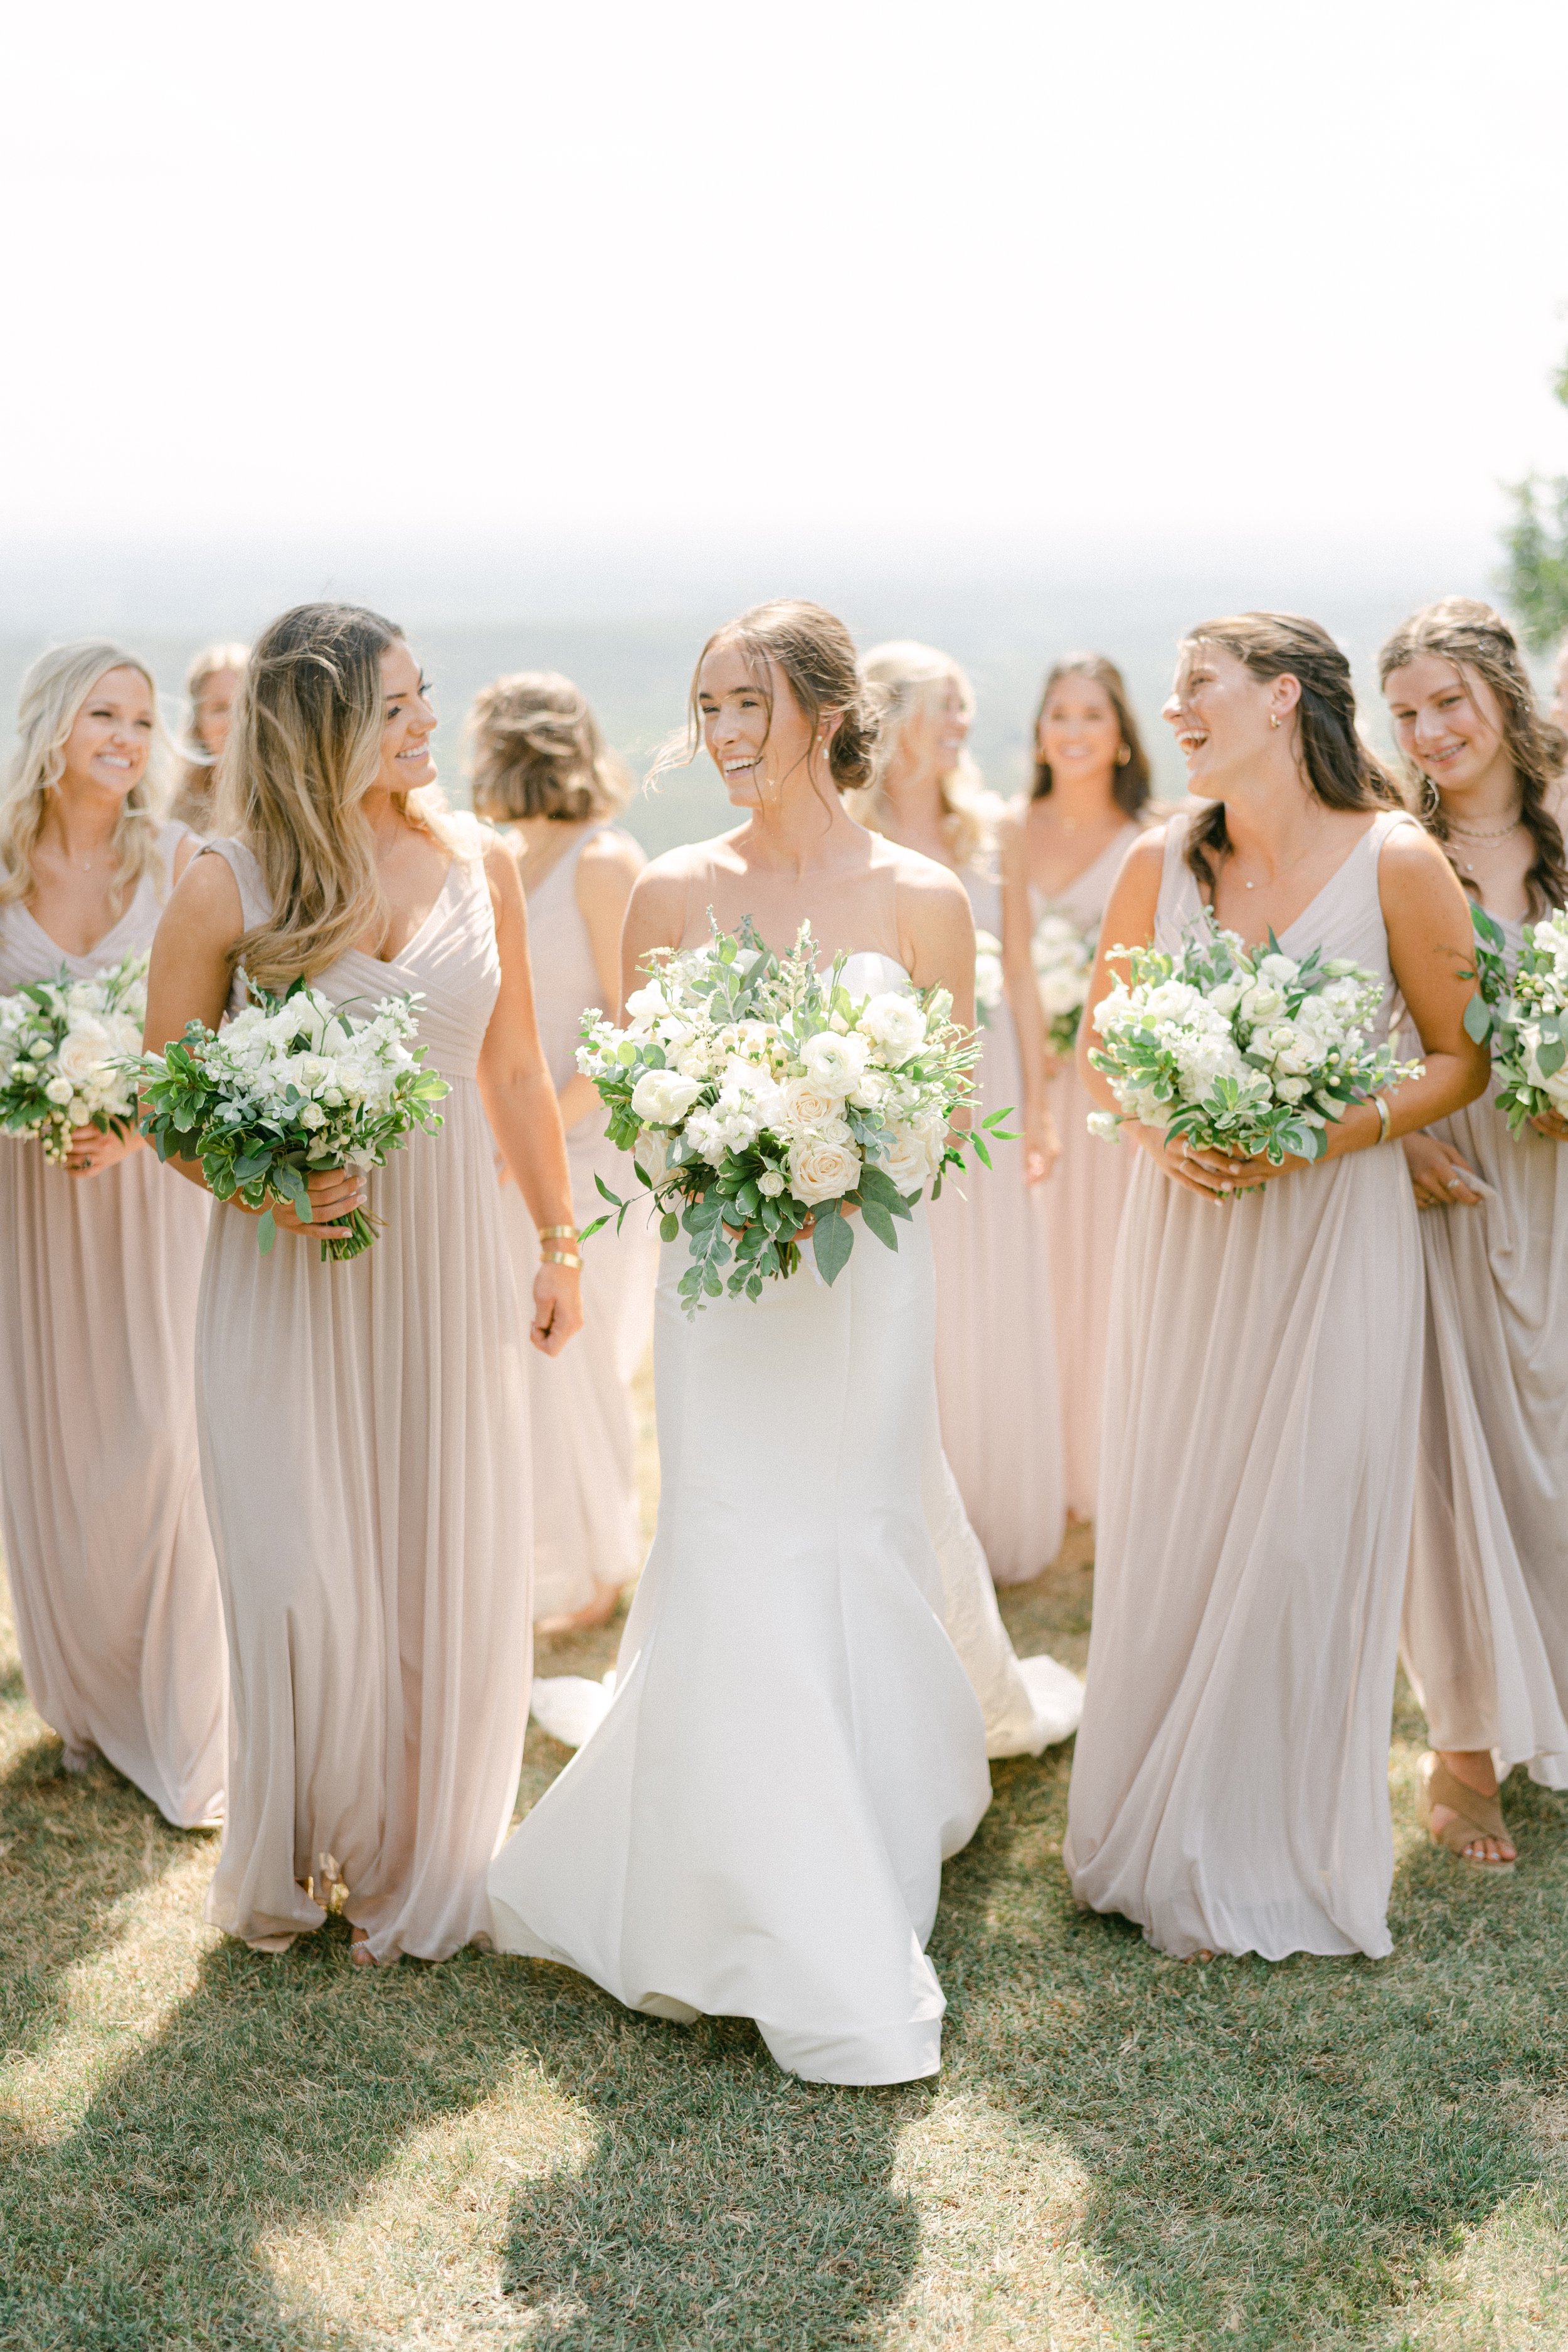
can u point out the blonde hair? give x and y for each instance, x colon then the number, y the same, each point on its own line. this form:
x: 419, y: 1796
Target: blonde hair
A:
x: 303, y: 751
x: 193, y: 803
x: 910, y: 676
x: 53, y: 693
x: 537, y: 751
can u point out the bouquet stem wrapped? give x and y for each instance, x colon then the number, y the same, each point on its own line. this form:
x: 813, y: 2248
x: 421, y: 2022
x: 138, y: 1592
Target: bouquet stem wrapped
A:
x: 1242, y: 1050
x: 759, y: 1100
x: 68, y: 1054
x: 291, y: 1086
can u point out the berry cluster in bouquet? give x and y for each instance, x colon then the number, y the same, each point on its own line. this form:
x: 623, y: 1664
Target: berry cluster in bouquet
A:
x: 290, y: 1086
x: 1063, y: 958
x: 1524, y: 1013
x: 1241, y: 1050
x: 759, y: 1099
x: 69, y: 1052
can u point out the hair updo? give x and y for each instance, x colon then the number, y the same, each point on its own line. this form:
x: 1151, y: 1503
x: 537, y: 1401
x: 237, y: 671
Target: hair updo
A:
x: 1340, y: 769
x: 537, y: 751
x: 1470, y: 634
x: 816, y: 654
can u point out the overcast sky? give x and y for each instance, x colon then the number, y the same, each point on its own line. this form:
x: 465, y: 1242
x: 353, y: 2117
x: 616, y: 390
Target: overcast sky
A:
x: 1132, y: 274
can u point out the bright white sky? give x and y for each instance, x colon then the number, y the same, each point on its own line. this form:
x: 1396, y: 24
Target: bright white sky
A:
x: 1129, y: 272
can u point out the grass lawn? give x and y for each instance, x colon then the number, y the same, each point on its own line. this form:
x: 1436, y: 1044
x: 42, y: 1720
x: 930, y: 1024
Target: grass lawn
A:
x: 204, y: 2146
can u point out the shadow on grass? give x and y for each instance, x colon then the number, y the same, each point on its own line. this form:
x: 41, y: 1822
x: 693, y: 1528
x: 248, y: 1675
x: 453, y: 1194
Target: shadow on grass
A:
x: 725, y: 2204
x: 1275, y: 2155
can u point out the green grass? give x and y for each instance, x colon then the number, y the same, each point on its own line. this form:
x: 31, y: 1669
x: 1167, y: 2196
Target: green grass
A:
x: 206, y: 2147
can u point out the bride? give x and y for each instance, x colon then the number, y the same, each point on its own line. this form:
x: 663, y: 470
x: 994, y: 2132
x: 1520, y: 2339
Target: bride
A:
x: 757, y: 1826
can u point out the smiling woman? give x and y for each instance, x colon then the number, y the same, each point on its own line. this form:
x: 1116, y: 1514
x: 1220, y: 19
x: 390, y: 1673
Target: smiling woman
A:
x: 106, y: 1539
x: 1230, y: 1788
x: 363, y: 1422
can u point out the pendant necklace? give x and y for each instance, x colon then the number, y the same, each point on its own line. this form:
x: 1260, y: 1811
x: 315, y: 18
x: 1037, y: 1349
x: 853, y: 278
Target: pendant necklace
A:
x: 1489, y: 834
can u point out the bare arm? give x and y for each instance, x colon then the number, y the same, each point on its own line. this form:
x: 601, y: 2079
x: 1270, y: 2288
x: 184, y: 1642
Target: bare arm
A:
x: 606, y: 870
x: 1042, y: 1145
x: 188, y: 980
x: 520, y: 1102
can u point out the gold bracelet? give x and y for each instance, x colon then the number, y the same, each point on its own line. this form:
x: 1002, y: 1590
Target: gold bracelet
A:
x: 557, y: 1233
x: 561, y: 1257
x: 1384, y: 1117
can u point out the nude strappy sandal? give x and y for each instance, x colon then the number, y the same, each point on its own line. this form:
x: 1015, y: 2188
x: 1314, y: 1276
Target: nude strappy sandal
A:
x: 1475, y: 1816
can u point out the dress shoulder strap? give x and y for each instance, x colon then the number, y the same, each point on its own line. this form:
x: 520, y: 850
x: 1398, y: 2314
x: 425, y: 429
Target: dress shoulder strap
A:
x: 254, y: 903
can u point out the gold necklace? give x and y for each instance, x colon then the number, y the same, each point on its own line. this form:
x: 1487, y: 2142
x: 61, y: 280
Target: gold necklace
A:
x: 1497, y: 833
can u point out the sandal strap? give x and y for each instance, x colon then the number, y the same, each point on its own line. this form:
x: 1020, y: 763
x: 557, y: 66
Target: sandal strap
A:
x: 1481, y: 1815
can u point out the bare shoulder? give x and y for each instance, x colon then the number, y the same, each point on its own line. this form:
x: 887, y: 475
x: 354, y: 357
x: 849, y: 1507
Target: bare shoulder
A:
x: 1410, y: 860
x: 612, y: 851
x: 920, y: 881
x: 501, y: 869
x: 1146, y: 855
x: 207, y: 897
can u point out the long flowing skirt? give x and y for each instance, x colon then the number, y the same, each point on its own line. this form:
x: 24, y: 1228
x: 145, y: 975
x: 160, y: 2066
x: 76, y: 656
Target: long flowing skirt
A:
x: 1082, y: 1201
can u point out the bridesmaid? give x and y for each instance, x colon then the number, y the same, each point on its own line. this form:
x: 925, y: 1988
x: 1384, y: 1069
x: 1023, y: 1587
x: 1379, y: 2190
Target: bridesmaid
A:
x: 106, y: 1539
x: 1061, y: 853
x: 996, y: 1352
x: 1230, y: 1789
x: 1486, y: 1611
x: 541, y: 773
x: 364, y: 1425
x: 212, y: 690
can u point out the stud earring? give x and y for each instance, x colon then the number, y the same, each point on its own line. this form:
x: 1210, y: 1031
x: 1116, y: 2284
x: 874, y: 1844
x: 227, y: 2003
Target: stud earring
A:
x: 1273, y: 719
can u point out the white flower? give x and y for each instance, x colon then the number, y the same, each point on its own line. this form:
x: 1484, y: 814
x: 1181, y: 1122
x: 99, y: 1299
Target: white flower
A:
x: 806, y: 1102
x: 663, y: 1097
x: 313, y: 1115
x: 645, y: 1007
x: 1280, y: 969
x: 85, y: 1047
x: 837, y: 1062
x: 895, y: 1025
x: 1105, y: 1127
x: 822, y: 1166
x: 907, y: 1159
x: 1225, y: 999
x: 651, y: 1152
x: 770, y: 1184
x: 59, y: 1090
x: 1262, y: 1002
x: 990, y: 982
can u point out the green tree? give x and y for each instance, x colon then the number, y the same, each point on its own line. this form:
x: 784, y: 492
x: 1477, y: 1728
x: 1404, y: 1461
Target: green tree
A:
x: 1535, y: 583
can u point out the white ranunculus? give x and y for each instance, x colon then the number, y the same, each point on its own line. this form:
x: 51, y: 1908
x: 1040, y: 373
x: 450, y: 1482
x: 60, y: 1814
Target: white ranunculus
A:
x: 895, y: 1025
x: 822, y: 1167
x: 85, y: 1045
x: 663, y: 1097
x: 835, y: 1063
x: 59, y: 1090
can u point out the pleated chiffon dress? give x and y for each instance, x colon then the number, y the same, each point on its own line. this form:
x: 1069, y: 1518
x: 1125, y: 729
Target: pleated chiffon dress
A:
x: 995, y: 1325
x: 757, y: 1826
x: 1081, y: 1203
x: 1486, y: 1611
x: 111, y: 1564
x: 1230, y: 1785
x: 364, y: 1450
x: 587, y: 1528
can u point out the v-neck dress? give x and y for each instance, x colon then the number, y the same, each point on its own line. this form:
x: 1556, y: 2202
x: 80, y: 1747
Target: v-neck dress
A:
x: 111, y: 1564
x: 1081, y: 1203
x: 1486, y: 1612
x: 587, y: 1526
x: 1230, y: 1786
x: 365, y: 1449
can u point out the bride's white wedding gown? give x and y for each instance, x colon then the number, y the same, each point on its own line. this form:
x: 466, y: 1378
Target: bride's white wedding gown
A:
x: 757, y: 1825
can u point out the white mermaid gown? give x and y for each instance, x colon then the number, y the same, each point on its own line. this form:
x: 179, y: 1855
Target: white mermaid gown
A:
x: 757, y: 1824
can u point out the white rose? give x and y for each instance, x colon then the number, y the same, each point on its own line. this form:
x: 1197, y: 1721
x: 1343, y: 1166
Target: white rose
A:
x: 1290, y: 1090
x: 836, y: 1062
x: 651, y: 1152
x: 907, y: 1160
x: 1261, y: 1002
x: 313, y: 1115
x: 1225, y: 999
x: 770, y: 1184
x: 663, y: 1097
x: 82, y: 1050
x: 821, y: 1168
x: 895, y: 1025
x: 59, y: 1090
x: 806, y: 1102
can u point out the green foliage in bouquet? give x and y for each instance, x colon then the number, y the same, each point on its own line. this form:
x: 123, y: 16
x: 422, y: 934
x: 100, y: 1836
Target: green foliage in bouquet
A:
x: 1523, y: 1016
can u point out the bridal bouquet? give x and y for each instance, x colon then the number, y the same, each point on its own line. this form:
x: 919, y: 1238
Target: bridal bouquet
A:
x: 758, y: 1098
x: 290, y: 1085
x: 1063, y: 958
x: 1525, y: 1014
x: 1242, y: 1050
x: 68, y: 1054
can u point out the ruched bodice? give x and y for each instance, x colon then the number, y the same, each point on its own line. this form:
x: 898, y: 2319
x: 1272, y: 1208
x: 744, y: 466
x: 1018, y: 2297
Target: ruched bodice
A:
x: 452, y: 962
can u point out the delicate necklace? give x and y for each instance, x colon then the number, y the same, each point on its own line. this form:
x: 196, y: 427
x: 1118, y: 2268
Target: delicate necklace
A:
x: 1494, y: 833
